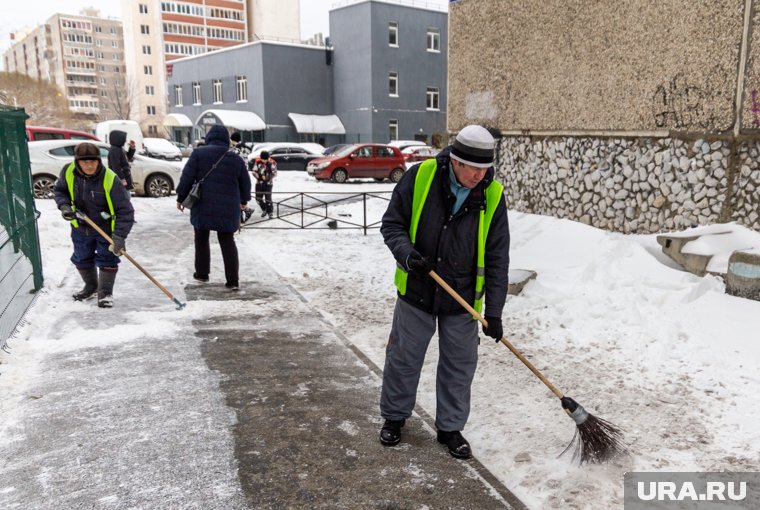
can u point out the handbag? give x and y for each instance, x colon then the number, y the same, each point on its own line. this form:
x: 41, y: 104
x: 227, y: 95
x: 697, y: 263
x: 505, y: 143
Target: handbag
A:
x: 194, y: 196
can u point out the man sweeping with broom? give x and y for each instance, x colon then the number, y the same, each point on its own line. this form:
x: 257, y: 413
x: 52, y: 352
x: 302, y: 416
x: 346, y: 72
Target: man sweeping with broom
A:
x: 87, y: 187
x: 449, y: 215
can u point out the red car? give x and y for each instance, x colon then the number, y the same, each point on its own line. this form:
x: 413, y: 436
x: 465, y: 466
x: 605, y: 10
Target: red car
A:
x: 359, y: 160
x: 415, y: 154
x: 36, y: 133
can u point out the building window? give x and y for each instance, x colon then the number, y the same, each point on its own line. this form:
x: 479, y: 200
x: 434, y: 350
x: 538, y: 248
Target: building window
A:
x: 151, y: 110
x: 242, y: 88
x: 98, y: 42
x: 149, y: 90
x: 148, y: 69
x: 432, y: 98
x: 217, y: 91
x: 393, y: 84
x: 393, y: 34
x: 196, y: 92
x: 146, y: 50
x: 152, y: 130
x: 434, y: 40
x: 98, y: 29
x: 143, y: 9
x: 144, y: 29
x: 178, y: 95
x: 393, y: 129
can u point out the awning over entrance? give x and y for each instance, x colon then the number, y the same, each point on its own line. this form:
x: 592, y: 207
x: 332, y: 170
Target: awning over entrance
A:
x: 240, y: 120
x: 177, y: 120
x: 323, y: 124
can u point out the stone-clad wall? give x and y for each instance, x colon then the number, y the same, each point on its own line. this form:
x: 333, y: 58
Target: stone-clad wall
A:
x: 632, y: 185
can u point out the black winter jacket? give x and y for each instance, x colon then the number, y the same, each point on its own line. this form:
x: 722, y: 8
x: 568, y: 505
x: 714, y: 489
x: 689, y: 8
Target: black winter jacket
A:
x: 450, y: 243
x: 224, y: 190
x: 118, y: 161
x: 90, y: 199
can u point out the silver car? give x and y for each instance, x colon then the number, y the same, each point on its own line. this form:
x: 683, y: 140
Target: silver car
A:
x: 151, y: 178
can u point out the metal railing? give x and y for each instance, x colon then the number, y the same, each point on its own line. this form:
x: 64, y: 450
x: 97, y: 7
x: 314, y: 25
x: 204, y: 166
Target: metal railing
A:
x: 20, y: 258
x: 317, y: 211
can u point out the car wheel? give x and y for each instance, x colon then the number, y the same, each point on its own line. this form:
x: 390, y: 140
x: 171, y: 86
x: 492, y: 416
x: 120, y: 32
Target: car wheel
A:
x: 340, y: 176
x: 43, y: 186
x: 396, y: 175
x: 158, y: 186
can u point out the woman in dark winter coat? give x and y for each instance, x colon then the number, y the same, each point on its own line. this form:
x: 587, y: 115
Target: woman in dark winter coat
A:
x: 224, y: 193
x: 87, y: 187
x: 118, y: 160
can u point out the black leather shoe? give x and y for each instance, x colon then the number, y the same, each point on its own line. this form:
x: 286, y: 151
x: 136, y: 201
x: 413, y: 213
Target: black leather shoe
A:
x: 457, y: 444
x: 199, y: 278
x: 390, y: 434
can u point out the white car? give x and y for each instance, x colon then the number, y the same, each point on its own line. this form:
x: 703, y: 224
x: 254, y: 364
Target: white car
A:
x: 161, y: 148
x: 151, y: 178
x: 310, y: 148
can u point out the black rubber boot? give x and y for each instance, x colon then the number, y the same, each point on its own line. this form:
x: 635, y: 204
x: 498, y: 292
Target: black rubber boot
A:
x: 457, y: 444
x: 90, y: 278
x: 390, y: 434
x: 105, y: 286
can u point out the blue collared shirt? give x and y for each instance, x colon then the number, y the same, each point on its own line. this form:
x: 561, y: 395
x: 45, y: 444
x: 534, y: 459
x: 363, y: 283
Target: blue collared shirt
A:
x: 460, y: 192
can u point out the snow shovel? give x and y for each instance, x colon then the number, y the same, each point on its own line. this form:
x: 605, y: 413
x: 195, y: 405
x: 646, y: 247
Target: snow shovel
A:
x: 597, y: 440
x: 176, y: 301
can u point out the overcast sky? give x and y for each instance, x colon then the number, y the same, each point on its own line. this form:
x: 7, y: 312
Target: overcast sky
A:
x: 30, y: 13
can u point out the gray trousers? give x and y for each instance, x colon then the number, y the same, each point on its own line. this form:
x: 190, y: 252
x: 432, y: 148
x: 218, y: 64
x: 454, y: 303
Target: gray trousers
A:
x: 458, y: 357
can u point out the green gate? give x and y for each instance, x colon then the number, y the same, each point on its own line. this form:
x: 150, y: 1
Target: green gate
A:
x: 20, y: 259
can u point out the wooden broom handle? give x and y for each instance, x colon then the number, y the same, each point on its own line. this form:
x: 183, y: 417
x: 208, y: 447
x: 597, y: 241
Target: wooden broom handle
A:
x: 504, y: 340
x: 124, y: 252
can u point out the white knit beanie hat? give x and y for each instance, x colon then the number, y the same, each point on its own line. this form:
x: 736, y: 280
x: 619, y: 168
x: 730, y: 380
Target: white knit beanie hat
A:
x: 474, y: 146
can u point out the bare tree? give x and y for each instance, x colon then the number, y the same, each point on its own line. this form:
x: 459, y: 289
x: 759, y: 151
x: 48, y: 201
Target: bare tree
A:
x: 42, y: 101
x: 117, y: 103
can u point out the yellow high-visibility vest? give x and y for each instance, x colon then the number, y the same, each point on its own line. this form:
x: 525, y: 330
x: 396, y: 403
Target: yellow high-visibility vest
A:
x: 493, y: 194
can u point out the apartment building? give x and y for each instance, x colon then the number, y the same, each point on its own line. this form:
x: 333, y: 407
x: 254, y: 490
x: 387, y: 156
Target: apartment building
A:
x: 158, y: 32
x: 83, y: 55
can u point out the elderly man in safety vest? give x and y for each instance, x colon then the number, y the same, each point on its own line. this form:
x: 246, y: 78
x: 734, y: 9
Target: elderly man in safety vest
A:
x: 449, y: 215
x: 87, y: 187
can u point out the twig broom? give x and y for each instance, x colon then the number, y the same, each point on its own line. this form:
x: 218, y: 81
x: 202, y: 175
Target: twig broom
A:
x: 595, y: 440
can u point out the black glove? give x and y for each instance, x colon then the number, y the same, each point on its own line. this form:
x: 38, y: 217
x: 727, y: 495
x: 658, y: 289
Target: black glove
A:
x: 67, y: 213
x: 118, y: 245
x: 495, y: 329
x: 417, y: 263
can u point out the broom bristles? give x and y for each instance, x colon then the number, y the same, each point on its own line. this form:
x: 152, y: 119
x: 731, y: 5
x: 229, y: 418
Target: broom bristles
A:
x: 596, y: 440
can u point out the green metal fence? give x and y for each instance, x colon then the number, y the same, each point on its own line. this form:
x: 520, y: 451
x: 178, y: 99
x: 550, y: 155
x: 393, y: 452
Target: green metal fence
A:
x: 20, y: 259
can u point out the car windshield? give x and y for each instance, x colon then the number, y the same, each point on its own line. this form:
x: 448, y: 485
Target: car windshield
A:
x: 345, y: 151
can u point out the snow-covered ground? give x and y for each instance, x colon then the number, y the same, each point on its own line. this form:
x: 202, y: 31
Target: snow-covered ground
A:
x: 666, y: 355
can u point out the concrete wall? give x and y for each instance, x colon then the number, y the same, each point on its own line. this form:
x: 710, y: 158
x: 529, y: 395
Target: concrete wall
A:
x: 604, y: 65
x: 622, y: 115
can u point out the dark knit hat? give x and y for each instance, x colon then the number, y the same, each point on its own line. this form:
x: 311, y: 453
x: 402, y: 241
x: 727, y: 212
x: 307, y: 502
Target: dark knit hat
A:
x: 474, y: 146
x: 235, y: 137
x: 264, y: 154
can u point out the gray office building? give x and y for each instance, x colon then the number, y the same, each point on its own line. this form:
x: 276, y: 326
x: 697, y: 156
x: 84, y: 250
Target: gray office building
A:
x: 382, y: 78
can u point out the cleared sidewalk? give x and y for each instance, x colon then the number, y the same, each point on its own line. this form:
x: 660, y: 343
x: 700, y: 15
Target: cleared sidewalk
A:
x: 258, y: 403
